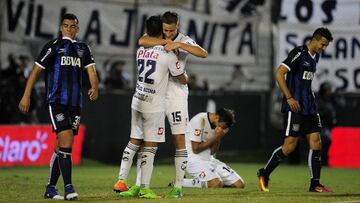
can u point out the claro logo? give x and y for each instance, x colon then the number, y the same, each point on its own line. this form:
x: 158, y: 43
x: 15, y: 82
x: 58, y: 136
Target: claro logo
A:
x: 12, y: 150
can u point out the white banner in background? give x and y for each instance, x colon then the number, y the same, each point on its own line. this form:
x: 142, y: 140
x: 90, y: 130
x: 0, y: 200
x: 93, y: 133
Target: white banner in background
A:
x: 110, y: 27
x: 321, y: 12
x: 340, y: 63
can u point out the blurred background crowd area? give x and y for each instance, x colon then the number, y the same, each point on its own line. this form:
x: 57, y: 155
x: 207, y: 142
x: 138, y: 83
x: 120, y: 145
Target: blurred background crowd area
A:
x: 246, y: 40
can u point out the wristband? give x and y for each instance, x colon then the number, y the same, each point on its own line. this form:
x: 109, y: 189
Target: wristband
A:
x: 288, y: 98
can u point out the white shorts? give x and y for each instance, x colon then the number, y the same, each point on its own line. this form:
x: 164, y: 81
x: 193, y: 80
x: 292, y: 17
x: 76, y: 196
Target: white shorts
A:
x: 209, y: 170
x: 177, y: 115
x: 148, y: 126
x: 177, y: 107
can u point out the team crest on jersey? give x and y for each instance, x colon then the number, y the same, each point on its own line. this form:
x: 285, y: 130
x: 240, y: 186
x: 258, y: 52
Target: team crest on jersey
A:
x: 80, y: 52
x: 197, y: 132
x: 60, y: 117
x: 160, y: 131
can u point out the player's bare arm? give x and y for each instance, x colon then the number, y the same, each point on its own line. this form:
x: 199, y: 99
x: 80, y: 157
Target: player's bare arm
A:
x: 94, y: 90
x: 201, y: 146
x: 280, y: 78
x: 25, y: 100
x: 194, y: 50
x: 147, y: 41
x: 215, y: 147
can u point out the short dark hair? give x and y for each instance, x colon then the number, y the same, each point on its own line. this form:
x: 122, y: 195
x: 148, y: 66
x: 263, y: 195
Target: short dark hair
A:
x: 227, y: 116
x: 69, y: 16
x: 322, y: 32
x: 154, y: 26
x: 170, y: 17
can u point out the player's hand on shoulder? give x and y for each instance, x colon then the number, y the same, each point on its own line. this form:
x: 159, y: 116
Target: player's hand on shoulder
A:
x: 294, y: 105
x: 24, y: 104
x: 172, y: 46
x: 93, y: 94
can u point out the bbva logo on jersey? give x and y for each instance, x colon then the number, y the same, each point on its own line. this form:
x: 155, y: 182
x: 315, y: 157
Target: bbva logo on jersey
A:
x: 70, y: 61
x: 307, y: 75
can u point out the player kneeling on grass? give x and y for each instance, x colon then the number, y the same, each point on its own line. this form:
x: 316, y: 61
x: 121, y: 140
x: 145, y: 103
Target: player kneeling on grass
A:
x: 203, y: 135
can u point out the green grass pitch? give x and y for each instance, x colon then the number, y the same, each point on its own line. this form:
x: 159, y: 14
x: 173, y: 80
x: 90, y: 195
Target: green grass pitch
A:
x: 94, y: 183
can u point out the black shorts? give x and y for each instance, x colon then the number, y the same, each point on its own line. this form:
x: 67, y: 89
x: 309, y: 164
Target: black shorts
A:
x: 64, y: 118
x: 300, y: 125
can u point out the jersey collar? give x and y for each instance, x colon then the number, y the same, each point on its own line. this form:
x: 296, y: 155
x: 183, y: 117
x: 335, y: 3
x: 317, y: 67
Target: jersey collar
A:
x: 307, y: 49
x: 177, y: 34
x: 68, y: 38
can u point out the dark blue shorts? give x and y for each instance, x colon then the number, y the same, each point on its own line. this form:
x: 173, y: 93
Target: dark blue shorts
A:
x: 64, y: 118
x: 300, y: 125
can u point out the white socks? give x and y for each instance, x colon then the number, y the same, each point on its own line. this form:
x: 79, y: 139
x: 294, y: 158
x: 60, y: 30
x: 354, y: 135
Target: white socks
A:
x: 180, y: 166
x: 127, y: 160
x: 147, y: 165
x: 195, y: 182
x: 138, y: 169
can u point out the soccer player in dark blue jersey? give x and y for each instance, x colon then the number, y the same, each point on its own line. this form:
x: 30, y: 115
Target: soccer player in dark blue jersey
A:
x: 301, y: 118
x: 63, y: 60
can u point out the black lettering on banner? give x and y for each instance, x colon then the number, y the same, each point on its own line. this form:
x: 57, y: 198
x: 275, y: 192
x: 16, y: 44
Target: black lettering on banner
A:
x: 93, y: 30
x: 246, y: 39
x: 308, y: 5
x: 13, y: 18
x: 328, y: 7
x: 38, y: 24
x: 29, y: 18
x: 142, y: 27
x: 339, y: 73
x: 281, y: 16
x: 357, y: 78
x: 340, y: 47
x: 227, y: 28
x: 212, y: 36
x: 126, y: 41
x: 354, y: 43
x: 306, y: 39
x: 63, y: 11
x: 289, y: 38
x: 192, y: 31
x: 325, y: 55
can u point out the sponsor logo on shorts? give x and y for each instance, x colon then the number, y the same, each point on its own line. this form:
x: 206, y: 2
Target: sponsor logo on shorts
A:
x: 197, y: 132
x: 60, y: 117
x: 160, y: 131
x: 296, y: 127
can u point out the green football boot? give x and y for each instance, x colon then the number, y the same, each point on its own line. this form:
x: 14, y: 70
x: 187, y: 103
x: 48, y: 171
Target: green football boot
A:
x: 148, y: 194
x: 132, y: 192
x: 175, y: 193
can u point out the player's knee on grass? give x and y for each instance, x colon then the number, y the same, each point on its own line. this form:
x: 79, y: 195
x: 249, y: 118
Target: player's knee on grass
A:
x: 238, y: 184
x: 215, y: 183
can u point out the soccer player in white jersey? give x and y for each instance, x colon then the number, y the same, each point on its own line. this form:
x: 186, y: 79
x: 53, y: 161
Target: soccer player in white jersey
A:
x: 203, y: 135
x: 177, y: 94
x: 148, y: 103
x: 176, y: 105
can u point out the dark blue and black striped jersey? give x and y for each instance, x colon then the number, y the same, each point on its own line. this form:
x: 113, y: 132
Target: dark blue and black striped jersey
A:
x: 63, y: 61
x: 302, y: 67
